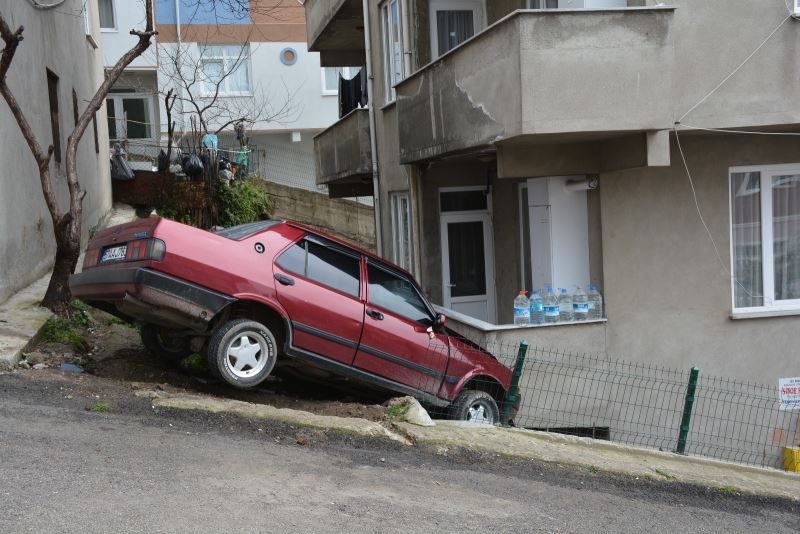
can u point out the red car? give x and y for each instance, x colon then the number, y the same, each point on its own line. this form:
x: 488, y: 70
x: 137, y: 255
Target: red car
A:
x: 278, y: 292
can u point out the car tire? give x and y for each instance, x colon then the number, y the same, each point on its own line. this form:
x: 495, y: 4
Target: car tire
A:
x: 158, y: 342
x: 475, y: 406
x: 242, y: 353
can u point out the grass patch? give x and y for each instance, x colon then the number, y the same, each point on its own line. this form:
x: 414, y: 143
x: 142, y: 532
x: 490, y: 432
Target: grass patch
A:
x: 394, y: 411
x: 196, y: 362
x: 101, y: 407
x: 116, y: 320
x: 664, y: 474
x: 594, y: 469
x: 728, y: 490
x: 60, y: 330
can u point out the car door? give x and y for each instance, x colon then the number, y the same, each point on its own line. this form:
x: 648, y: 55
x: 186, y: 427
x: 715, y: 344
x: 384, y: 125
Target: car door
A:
x: 319, y: 284
x: 398, y: 341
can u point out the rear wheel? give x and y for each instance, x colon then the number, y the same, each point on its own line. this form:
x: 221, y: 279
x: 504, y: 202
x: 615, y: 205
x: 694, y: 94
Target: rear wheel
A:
x: 165, y: 344
x: 242, y: 353
x: 475, y: 406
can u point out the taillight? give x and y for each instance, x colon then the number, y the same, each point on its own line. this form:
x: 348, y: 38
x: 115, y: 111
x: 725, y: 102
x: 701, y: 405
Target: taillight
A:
x: 146, y: 249
x: 90, y: 259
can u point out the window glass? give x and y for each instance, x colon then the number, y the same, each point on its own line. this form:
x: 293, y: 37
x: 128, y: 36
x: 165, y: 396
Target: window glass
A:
x: 453, y: 28
x: 112, y: 123
x: 786, y: 236
x: 333, y: 269
x: 107, y: 14
x: 471, y: 200
x: 393, y: 46
x: 138, y: 117
x: 294, y: 259
x: 401, y: 230
x: 397, y: 295
x: 226, y: 67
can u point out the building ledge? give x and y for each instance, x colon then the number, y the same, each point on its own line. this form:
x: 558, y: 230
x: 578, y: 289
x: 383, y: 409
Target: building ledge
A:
x: 485, y: 327
x: 736, y: 316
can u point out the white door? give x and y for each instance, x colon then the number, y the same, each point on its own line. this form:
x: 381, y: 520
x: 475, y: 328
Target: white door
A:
x: 453, y: 22
x: 468, y: 264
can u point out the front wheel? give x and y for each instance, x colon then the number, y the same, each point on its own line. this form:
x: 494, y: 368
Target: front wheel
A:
x: 476, y: 407
x: 242, y: 353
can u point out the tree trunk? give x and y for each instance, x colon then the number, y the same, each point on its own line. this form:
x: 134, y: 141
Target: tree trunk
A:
x: 68, y: 249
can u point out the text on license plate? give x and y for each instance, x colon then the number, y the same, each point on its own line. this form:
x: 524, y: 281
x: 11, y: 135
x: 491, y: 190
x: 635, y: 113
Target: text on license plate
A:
x: 114, y: 253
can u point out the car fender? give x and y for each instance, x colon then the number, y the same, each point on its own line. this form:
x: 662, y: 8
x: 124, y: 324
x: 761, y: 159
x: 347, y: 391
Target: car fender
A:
x: 270, y: 303
x: 450, y: 391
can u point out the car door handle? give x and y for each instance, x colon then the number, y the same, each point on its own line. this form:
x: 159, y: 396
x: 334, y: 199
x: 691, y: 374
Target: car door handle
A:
x: 375, y: 314
x: 283, y: 279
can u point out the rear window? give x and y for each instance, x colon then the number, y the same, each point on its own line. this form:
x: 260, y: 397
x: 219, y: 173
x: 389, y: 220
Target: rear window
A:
x: 242, y: 231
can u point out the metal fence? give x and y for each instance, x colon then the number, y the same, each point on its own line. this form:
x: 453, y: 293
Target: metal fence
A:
x: 640, y: 404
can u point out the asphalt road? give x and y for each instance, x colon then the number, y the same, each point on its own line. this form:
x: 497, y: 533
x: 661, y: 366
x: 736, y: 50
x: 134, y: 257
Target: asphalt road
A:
x: 135, y: 469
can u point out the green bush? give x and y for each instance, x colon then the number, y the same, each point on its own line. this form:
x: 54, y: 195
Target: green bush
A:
x: 242, y: 202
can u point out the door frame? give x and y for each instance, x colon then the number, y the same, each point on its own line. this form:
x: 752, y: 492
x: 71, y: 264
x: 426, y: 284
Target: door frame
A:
x: 484, y: 216
x: 478, y: 20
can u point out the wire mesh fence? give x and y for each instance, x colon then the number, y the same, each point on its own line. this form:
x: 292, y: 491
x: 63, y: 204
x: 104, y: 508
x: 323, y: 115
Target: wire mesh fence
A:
x: 626, y: 402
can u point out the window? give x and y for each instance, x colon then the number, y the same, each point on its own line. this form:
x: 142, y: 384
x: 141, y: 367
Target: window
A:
x: 74, y: 107
x: 401, y: 230
x: 453, y: 22
x: 225, y: 69
x: 108, y: 18
x: 129, y: 116
x: 96, y: 136
x: 324, y: 264
x: 542, y: 4
x: 55, y: 122
x: 765, y: 238
x: 396, y: 294
x: 330, y: 78
x: 471, y: 199
x: 392, y: 46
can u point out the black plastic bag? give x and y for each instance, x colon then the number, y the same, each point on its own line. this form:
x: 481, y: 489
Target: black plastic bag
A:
x: 193, y: 166
x: 120, y: 168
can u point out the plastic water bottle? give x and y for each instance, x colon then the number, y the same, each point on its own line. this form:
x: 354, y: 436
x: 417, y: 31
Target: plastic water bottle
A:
x: 522, y: 311
x: 537, y: 307
x: 564, y: 306
x: 550, y: 307
x: 595, y: 303
x: 580, y: 305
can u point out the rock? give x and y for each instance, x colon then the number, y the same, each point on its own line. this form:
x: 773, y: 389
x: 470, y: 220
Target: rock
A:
x: 24, y: 364
x: 39, y: 366
x: 35, y: 357
x: 414, y: 412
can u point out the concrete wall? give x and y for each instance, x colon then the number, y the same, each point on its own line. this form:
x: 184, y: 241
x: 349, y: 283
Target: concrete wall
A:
x: 343, y: 151
x: 55, y: 40
x: 668, y: 297
x: 115, y: 43
x: 347, y: 219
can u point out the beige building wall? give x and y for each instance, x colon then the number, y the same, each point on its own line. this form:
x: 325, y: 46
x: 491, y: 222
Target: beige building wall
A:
x: 55, y: 40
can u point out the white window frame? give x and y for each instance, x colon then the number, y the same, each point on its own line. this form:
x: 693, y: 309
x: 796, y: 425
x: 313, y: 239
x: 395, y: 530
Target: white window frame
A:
x: 347, y: 72
x: 529, y: 5
x: 120, y: 120
x: 399, y: 251
x: 478, y: 8
x: 226, y: 59
x: 389, y: 52
x: 113, y: 29
x: 770, y: 305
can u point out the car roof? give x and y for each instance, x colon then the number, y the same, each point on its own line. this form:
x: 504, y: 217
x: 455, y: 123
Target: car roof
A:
x: 368, y: 254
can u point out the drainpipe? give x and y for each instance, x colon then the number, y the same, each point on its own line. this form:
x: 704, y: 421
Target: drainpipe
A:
x: 372, y: 132
x: 178, y: 57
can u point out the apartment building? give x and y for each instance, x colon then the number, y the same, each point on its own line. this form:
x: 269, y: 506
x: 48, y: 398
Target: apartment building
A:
x: 56, y: 70
x: 629, y: 144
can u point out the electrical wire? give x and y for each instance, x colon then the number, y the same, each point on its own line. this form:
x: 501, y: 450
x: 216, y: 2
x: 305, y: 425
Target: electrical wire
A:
x: 703, y: 220
x: 724, y: 130
x: 737, y: 69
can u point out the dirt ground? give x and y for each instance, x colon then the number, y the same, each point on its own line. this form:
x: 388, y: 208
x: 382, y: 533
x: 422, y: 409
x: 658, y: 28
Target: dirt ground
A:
x: 115, y: 362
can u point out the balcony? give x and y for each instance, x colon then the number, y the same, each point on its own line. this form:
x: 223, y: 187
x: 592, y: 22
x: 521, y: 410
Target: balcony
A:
x: 336, y: 30
x: 343, y: 156
x: 566, y: 76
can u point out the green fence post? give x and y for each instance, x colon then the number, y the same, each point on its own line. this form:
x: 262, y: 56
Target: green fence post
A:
x: 512, y: 395
x: 687, y: 410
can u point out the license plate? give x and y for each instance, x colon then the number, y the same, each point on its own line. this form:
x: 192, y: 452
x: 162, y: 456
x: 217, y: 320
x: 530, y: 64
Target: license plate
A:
x: 114, y: 254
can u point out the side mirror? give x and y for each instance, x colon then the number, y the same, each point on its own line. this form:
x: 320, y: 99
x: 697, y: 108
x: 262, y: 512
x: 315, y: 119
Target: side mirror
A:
x: 440, y: 320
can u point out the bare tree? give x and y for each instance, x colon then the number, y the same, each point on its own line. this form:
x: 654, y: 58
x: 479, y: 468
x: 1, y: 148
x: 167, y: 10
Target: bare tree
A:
x: 183, y: 67
x: 66, y: 225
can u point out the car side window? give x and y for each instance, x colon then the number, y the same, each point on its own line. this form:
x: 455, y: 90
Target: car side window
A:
x: 396, y: 294
x: 323, y: 265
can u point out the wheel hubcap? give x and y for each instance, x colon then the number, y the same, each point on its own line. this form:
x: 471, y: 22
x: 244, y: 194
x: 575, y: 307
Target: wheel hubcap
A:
x: 480, y: 413
x: 247, y: 355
